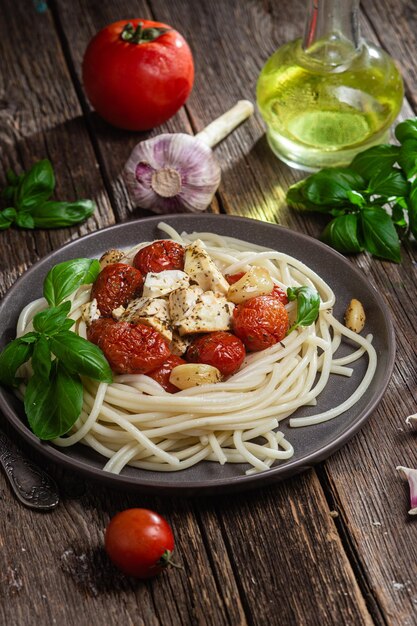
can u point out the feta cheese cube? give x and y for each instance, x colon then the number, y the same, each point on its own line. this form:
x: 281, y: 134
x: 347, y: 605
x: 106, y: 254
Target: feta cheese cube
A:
x: 159, y: 284
x: 211, y: 312
x: 202, y: 269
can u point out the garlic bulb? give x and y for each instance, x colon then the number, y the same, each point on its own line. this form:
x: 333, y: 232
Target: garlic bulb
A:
x: 174, y: 173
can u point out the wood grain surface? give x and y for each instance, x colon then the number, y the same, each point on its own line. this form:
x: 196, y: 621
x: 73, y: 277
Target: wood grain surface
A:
x: 333, y: 546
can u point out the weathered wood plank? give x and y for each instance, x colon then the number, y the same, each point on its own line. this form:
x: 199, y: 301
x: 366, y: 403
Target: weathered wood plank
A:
x: 40, y: 117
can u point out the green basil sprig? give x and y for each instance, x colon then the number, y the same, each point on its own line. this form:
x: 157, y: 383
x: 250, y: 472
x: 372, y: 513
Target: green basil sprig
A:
x: 29, y: 205
x: 54, y: 394
x: 308, y: 305
x: 373, y: 202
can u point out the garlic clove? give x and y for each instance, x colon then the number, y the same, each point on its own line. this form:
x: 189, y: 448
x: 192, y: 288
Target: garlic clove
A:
x: 411, y: 476
x: 355, y: 316
x: 256, y: 282
x: 171, y: 173
x: 194, y: 374
x: 411, y: 420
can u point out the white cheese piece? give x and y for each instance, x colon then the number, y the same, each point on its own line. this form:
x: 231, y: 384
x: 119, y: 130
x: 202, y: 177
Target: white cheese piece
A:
x: 182, y: 300
x: 158, y: 284
x: 202, y: 269
x: 152, y: 312
x: 179, y: 344
x: 90, y: 312
x: 211, y: 312
x: 117, y: 313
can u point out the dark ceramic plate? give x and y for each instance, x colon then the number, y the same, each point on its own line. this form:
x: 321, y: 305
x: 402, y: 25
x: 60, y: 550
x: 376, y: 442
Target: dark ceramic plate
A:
x: 312, y: 444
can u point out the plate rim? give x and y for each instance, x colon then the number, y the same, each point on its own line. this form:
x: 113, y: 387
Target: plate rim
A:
x: 223, y: 484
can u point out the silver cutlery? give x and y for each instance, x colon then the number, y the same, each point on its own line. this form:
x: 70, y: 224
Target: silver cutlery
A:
x: 33, y: 487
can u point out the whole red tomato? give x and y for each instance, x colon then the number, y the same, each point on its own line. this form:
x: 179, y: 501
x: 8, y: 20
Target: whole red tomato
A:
x: 260, y: 322
x: 137, y: 73
x: 159, y: 256
x: 162, y: 374
x: 139, y: 542
x: 219, y: 349
x: 115, y: 286
x: 129, y: 348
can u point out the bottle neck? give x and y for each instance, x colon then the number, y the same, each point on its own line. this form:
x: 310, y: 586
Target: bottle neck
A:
x: 332, y: 31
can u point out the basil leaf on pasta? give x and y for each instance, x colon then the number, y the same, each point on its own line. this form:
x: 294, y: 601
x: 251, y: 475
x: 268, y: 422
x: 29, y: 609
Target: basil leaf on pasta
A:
x: 12, y: 357
x: 53, y: 320
x: 41, y: 358
x: 63, y: 279
x: 308, y: 304
x: 80, y: 355
x: 53, y: 405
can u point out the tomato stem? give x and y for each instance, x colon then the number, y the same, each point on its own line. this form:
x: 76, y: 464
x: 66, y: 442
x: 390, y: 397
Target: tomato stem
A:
x: 140, y: 35
x: 165, y: 560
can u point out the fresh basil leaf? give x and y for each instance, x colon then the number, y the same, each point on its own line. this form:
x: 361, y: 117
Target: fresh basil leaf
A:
x: 406, y: 130
x: 36, y: 186
x: 332, y: 186
x: 52, y: 320
x: 29, y: 337
x: 6, y: 218
x: 356, y: 198
x: 63, y: 279
x: 54, y: 405
x: 408, y: 157
x: 82, y: 356
x: 412, y: 208
x: 389, y: 184
x: 25, y: 220
x: 41, y: 358
x: 53, y: 214
x: 296, y: 199
x: 342, y: 234
x: 12, y: 357
x: 397, y: 215
x: 308, y: 305
x: 379, y: 235
x: 376, y: 160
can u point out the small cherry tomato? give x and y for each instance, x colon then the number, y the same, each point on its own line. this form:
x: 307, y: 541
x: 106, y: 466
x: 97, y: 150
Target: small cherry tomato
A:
x: 162, y: 374
x: 233, y: 278
x: 260, y: 322
x: 139, y: 542
x: 129, y: 348
x: 159, y: 256
x: 115, y: 286
x: 279, y: 293
x: 137, y: 73
x: 219, y: 349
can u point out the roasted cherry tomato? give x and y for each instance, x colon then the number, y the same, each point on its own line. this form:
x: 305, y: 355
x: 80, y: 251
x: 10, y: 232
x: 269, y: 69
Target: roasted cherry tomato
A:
x: 115, y: 286
x: 279, y: 293
x: 233, y: 278
x: 219, y: 349
x: 129, y: 348
x: 137, y: 73
x: 139, y: 542
x: 159, y: 256
x: 162, y: 374
x: 260, y: 322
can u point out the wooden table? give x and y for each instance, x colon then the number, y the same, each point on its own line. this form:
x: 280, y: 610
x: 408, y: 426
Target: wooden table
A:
x: 331, y: 546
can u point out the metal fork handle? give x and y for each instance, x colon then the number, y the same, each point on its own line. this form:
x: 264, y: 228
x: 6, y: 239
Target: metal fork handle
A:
x: 33, y: 487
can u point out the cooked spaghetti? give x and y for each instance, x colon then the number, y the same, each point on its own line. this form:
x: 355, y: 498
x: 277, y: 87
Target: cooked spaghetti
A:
x: 134, y: 421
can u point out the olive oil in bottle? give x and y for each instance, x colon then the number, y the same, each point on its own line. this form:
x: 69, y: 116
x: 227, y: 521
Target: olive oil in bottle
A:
x: 330, y: 95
